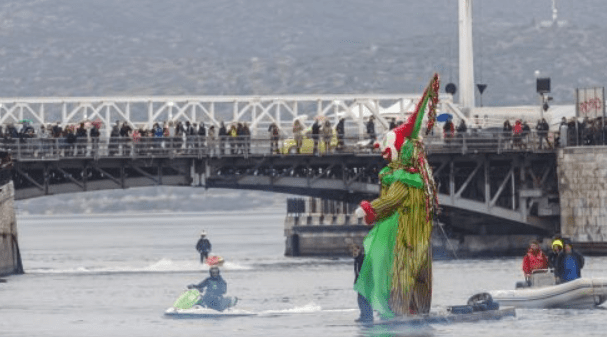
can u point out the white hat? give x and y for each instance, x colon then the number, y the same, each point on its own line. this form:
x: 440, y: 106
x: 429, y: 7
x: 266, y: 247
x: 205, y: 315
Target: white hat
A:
x: 203, y: 233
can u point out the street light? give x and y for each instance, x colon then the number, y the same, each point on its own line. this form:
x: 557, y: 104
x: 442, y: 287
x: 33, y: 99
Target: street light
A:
x: 543, y: 87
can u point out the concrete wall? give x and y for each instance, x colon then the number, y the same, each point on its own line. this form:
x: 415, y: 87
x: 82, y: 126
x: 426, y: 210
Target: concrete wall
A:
x: 582, y: 174
x: 10, y: 259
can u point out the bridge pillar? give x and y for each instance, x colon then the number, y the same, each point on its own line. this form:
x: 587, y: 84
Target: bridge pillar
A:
x: 582, y: 177
x: 10, y: 257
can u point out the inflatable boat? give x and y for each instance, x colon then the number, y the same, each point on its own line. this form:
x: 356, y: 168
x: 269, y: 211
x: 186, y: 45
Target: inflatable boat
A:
x: 544, y: 293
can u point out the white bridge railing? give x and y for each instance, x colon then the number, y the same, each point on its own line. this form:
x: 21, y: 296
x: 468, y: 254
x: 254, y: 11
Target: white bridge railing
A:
x: 257, y: 111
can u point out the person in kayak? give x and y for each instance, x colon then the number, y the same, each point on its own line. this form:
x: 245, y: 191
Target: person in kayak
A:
x: 203, y: 246
x: 216, y: 287
x: 569, y: 264
x: 535, y: 259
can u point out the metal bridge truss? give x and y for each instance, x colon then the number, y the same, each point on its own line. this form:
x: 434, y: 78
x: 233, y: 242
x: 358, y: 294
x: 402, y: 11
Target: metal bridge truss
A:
x: 257, y: 111
x: 486, y: 192
x: 491, y: 193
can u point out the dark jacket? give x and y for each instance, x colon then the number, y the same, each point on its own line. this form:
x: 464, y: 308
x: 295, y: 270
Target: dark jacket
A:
x: 216, y: 287
x: 358, y: 264
x: 371, y: 129
x: 560, y: 268
x: 203, y: 245
x: 315, y: 129
x: 552, y: 256
x: 339, y: 128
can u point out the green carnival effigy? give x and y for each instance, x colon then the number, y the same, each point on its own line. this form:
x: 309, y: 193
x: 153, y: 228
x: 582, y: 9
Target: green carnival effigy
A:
x: 396, y: 276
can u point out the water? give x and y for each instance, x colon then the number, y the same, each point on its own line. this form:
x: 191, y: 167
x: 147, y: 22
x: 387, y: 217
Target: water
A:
x: 116, y: 275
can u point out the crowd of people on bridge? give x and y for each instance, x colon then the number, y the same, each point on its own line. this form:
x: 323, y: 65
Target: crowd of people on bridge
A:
x: 84, y: 138
x: 519, y: 134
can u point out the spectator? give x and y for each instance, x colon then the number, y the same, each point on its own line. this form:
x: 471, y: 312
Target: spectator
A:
x: 392, y: 123
x: 525, y: 134
x: 507, y: 134
x: 246, y: 139
x: 222, y: 134
x: 461, y: 129
x: 298, y: 134
x: 340, y: 130
x: 233, y: 135
x: 557, y: 249
x: 542, y: 132
x: 327, y: 135
x: 212, y: 141
x: 569, y: 264
x: 202, y: 135
x: 274, y: 135
x: 534, y: 260
x: 517, y: 134
x: 448, y: 130
x: 81, y: 140
x: 563, y: 133
x: 586, y: 132
x: 315, y: 134
x: 371, y: 129
x: 95, y: 134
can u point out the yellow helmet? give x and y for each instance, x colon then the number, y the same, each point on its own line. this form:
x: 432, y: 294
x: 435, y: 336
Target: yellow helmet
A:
x: 557, y: 243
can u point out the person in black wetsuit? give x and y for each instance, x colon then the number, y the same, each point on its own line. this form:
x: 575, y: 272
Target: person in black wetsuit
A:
x: 203, y: 246
x: 216, y: 287
x: 366, y: 312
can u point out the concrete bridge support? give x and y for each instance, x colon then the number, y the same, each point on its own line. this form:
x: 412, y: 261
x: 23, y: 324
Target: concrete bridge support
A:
x: 10, y: 258
x: 582, y: 176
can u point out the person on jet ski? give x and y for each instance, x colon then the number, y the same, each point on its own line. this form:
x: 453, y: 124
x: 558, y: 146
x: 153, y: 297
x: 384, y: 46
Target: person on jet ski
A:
x: 216, y: 287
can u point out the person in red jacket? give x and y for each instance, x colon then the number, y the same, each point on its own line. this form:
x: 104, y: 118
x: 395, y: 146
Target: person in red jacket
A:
x: 535, y: 259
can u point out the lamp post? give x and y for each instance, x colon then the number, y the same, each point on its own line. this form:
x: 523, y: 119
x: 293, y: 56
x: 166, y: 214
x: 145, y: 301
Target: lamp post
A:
x: 542, y: 87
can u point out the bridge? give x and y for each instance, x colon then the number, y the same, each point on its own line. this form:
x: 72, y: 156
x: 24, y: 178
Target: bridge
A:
x: 485, y: 185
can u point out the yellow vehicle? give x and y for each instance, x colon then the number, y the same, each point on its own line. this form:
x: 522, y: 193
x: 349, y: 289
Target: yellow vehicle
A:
x: 289, y: 146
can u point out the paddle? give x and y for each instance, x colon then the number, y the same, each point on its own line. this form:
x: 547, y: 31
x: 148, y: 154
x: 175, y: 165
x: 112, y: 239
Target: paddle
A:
x: 187, y: 299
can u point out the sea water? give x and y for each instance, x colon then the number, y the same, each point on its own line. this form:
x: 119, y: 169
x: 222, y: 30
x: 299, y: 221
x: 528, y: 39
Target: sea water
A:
x: 116, y: 275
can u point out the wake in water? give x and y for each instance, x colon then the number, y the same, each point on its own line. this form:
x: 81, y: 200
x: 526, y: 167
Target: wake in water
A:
x: 162, y: 266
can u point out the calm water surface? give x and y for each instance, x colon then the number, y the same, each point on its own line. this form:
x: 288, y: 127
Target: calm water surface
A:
x: 116, y: 275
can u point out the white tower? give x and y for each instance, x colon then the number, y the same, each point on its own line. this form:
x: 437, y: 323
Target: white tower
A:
x: 466, y: 58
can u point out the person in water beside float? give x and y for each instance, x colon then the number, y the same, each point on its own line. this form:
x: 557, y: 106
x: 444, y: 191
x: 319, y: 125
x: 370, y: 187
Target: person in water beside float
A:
x: 568, y: 264
x: 396, y: 275
x: 534, y: 260
x: 366, y: 312
x: 216, y: 287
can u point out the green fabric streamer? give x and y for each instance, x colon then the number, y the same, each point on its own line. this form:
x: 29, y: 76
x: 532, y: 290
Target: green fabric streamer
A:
x: 420, y: 117
x: 374, y: 282
x: 410, y: 179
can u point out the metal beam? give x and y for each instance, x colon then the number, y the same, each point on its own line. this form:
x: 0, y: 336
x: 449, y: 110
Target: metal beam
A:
x: 143, y: 173
x: 509, y: 175
x: 69, y: 176
x: 465, y: 184
x: 30, y: 179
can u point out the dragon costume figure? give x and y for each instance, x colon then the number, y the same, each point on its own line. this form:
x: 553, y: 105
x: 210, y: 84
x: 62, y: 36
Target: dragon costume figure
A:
x: 396, y: 276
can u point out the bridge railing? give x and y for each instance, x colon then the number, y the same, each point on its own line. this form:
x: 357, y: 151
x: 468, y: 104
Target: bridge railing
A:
x: 200, y: 146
